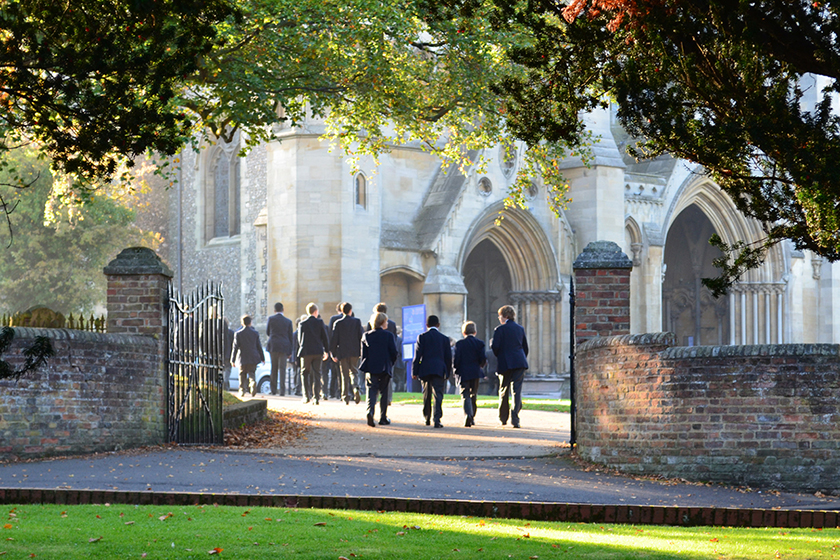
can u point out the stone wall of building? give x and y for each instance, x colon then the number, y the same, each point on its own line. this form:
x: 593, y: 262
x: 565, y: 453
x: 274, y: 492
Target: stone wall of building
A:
x: 100, y: 392
x: 760, y: 416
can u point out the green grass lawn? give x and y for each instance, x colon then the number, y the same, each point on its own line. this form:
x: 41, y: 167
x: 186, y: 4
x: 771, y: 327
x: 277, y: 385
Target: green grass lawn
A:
x: 454, y: 401
x: 124, y: 531
x: 487, y: 401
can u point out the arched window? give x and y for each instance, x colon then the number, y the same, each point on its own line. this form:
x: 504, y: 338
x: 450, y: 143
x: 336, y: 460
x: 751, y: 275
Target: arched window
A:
x: 532, y: 192
x: 361, y: 191
x: 485, y: 187
x: 222, y: 192
x: 221, y: 196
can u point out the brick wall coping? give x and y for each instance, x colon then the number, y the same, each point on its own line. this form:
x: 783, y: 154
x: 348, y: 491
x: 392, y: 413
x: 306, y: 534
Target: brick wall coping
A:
x: 112, y: 339
x: 653, y: 339
x: 751, y: 351
x: 681, y: 352
x: 538, y: 511
x: 137, y: 261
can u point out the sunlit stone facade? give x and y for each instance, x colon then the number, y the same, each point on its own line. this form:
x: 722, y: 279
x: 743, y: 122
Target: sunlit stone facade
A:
x: 300, y: 226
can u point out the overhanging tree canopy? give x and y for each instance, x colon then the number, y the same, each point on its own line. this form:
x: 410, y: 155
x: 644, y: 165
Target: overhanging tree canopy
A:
x: 718, y: 82
x: 94, y: 82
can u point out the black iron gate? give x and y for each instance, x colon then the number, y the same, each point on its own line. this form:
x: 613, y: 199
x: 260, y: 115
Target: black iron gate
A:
x: 572, y: 346
x: 197, y: 331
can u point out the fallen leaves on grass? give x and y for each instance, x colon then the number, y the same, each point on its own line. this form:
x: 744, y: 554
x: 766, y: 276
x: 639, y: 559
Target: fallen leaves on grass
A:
x: 279, y: 429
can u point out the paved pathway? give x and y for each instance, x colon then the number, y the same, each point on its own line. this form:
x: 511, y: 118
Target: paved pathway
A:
x: 344, y: 457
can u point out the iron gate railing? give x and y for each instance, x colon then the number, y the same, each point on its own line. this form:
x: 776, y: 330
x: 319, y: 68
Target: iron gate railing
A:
x: 196, y: 365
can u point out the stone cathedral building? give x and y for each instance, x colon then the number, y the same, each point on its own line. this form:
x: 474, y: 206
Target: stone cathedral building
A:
x: 290, y: 222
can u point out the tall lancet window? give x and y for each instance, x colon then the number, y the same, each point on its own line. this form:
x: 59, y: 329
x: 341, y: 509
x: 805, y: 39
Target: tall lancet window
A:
x: 361, y: 191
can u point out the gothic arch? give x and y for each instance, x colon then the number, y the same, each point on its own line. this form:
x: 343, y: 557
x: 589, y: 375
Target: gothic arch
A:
x: 754, y: 308
x: 728, y: 222
x: 522, y: 260
x: 524, y: 244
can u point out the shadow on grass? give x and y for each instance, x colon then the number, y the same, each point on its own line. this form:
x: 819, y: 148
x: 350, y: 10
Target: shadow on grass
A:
x: 120, y: 531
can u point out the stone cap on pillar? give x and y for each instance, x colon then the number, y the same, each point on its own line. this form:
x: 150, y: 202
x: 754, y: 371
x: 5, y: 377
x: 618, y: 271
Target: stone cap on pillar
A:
x: 444, y: 279
x: 601, y: 255
x: 137, y: 260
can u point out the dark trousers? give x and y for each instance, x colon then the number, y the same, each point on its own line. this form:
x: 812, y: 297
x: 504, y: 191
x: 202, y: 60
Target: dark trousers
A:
x: 335, y: 379
x: 310, y: 376
x: 376, y: 383
x: 510, y: 380
x: 247, y: 381
x: 349, y: 369
x: 278, y: 372
x: 325, y: 379
x: 469, y: 396
x: 433, y: 387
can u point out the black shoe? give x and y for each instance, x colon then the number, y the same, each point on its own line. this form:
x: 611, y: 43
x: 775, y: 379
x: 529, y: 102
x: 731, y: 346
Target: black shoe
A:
x: 468, y: 422
x: 516, y: 425
x: 356, y: 396
x: 384, y: 421
x: 317, y: 401
x: 370, y: 421
x: 428, y: 422
x: 438, y: 425
x: 324, y: 398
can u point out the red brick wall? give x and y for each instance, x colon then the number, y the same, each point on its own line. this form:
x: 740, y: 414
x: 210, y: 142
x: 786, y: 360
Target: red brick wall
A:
x: 761, y: 416
x: 602, y: 302
x: 100, y: 392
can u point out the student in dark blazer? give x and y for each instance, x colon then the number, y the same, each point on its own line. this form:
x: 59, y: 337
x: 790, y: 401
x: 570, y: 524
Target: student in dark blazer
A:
x: 432, y: 365
x: 511, y: 349
x: 333, y: 372
x: 346, y: 348
x: 379, y: 352
x: 280, y: 342
x: 468, y: 364
x: 313, y: 341
x: 382, y: 307
x: 247, y: 354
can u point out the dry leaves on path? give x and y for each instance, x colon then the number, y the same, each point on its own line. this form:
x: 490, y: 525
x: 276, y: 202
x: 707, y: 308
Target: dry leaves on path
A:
x: 279, y: 429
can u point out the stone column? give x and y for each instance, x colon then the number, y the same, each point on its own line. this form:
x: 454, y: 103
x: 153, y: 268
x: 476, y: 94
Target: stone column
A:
x: 137, y: 295
x: 602, y: 291
x: 445, y: 295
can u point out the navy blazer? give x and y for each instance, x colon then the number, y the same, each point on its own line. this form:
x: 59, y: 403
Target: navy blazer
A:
x: 247, y: 349
x: 469, y: 358
x: 432, y: 355
x: 510, y: 346
x: 379, y: 352
x: 346, y: 339
x: 312, y: 337
x: 279, y: 331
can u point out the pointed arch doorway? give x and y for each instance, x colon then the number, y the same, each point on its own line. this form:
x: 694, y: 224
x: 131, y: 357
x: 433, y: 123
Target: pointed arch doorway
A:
x: 689, y: 310
x: 513, y: 262
x: 487, y: 278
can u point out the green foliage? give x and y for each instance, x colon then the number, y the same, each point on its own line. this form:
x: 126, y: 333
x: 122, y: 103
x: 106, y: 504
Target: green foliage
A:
x: 736, y: 260
x: 36, y: 355
x: 720, y: 83
x: 94, y: 82
x: 57, y: 263
x: 379, y: 74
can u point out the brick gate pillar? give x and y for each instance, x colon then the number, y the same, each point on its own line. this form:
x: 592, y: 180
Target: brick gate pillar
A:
x: 138, y: 284
x: 602, y: 291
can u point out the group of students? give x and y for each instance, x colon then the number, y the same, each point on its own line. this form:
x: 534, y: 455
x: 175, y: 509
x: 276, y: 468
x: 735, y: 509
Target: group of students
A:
x: 434, y: 362
x: 374, y: 352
